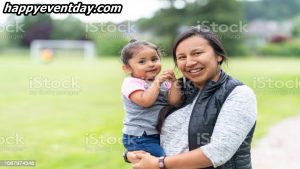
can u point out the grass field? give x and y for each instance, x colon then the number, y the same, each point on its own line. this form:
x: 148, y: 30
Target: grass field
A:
x: 68, y: 114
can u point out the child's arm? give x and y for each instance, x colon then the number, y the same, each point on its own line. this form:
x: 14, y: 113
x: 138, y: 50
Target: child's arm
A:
x: 174, y: 93
x: 147, y: 97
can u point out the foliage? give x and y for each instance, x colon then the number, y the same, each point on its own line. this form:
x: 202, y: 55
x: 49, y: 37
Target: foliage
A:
x: 296, y: 30
x: 290, y: 48
x: 271, y: 9
x: 42, y: 26
x: 4, y: 40
x: 108, y: 41
x: 36, y: 27
x: 70, y: 28
x: 169, y: 22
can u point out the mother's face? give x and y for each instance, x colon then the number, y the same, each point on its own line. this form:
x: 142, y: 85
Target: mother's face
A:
x: 197, y: 60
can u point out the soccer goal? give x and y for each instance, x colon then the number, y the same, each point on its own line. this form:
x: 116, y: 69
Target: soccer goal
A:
x: 46, y: 50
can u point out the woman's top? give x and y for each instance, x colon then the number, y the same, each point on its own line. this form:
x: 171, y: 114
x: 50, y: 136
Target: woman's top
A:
x: 236, y: 118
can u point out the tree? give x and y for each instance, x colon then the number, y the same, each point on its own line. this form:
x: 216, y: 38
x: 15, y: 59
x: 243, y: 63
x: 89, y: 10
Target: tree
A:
x: 108, y: 39
x: 29, y: 28
x: 69, y: 28
x: 225, y: 18
x: 271, y: 9
x: 296, y: 30
x: 164, y: 25
x: 36, y: 27
x: 167, y: 23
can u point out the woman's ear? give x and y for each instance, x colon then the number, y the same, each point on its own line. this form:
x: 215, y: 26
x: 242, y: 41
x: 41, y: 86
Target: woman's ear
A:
x: 127, y: 69
x: 219, y: 59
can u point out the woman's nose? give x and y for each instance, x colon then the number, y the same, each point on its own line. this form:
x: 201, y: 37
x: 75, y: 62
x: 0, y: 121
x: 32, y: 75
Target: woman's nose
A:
x: 190, y: 62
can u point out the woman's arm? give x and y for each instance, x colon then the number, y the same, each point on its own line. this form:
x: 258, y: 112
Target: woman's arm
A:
x: 190, y: 160
x: 235, y: 121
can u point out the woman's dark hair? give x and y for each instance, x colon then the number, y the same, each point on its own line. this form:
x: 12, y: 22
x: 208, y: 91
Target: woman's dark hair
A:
x: 212, y: 39
x: 132, y: 46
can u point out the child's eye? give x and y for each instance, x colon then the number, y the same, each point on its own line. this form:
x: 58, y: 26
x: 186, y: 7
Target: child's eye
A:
x: 141, y: 61
x: 154, y: 59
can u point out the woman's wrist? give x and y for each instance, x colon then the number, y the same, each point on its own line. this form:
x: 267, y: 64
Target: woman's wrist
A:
x: 161, y: 162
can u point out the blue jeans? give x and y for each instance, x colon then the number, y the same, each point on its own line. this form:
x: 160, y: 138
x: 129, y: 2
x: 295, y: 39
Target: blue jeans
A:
x: 148, y: 143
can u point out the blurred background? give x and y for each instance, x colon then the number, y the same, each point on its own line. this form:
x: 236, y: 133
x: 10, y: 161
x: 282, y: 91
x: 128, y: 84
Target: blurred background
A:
x: 60, y: 75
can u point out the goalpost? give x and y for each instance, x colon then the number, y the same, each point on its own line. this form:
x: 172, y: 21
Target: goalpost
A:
x: 42, y: 50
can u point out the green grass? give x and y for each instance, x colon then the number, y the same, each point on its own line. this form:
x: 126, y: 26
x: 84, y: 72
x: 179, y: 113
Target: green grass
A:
x: 80, y: 126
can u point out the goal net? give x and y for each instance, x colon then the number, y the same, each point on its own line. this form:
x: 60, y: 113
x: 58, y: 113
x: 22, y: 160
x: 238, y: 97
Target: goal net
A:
x: 48, y: 50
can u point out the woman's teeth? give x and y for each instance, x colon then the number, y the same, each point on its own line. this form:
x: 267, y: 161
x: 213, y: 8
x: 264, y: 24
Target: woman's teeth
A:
x: 195, y: 70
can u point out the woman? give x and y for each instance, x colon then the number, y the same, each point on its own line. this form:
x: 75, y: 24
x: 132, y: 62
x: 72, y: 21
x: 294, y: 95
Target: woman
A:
x: 213, y: 127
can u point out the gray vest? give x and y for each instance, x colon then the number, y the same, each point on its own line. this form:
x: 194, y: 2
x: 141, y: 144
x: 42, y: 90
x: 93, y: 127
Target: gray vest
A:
x: 205, y: 114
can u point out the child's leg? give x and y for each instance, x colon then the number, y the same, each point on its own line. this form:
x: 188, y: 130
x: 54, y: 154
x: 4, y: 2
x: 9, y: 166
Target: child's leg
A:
x: 132, y: 143
x: 152, y: 145
x: 148, y: 143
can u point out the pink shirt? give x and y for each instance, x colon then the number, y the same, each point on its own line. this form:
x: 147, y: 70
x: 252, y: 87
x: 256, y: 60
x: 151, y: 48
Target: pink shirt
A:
x: 131, y: 84
x: 139, y: 119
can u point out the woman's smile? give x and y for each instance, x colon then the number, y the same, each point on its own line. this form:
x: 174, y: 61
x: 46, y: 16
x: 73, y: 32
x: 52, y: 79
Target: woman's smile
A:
x: 195, y: 71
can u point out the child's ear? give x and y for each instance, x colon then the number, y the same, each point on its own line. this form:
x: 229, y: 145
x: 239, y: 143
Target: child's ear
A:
x: 127, y: 69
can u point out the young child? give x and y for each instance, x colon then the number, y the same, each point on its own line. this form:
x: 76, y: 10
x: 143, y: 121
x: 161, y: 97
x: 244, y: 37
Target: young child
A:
x: 144, y: 94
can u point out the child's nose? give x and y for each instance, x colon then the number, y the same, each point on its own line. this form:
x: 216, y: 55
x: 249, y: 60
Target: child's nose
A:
x: 150, y: 64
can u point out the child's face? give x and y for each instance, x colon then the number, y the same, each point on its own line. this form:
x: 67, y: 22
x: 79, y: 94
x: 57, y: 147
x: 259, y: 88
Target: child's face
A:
x: 145, y: 64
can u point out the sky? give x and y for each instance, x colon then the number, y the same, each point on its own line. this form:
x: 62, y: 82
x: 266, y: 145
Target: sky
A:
x: 132, y: 9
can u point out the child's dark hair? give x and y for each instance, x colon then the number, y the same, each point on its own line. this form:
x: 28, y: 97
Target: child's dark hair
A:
x: 133, y: 45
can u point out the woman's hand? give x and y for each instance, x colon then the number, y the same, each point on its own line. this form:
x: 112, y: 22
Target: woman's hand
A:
x: 147, y: 161
x: 132, y: 156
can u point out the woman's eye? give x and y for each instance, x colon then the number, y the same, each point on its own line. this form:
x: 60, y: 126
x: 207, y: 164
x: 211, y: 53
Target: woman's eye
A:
x: 180, y: 57
x: 141, y: 62
x: 198, y: 53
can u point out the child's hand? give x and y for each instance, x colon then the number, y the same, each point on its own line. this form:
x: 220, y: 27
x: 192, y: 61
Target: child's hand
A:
x: 161, y: 78
x: 166, y: 75
x: 170, y: 75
